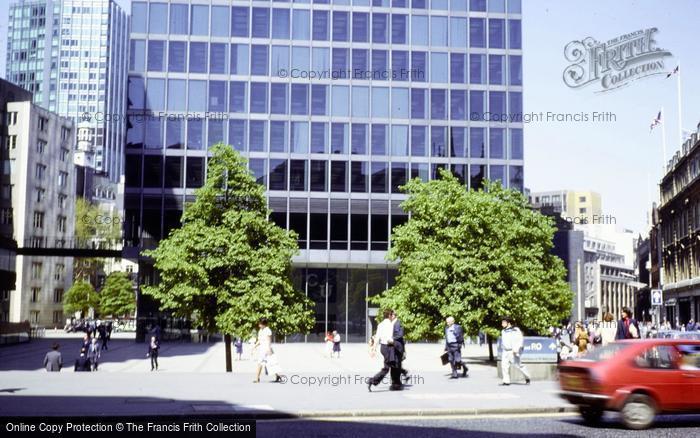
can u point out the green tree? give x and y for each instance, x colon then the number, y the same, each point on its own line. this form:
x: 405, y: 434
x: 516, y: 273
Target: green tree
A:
x: 117, y: 297
x: 475, y: 255
x: 93, y: 226
x: 80, y: 298
x: 228, y: 265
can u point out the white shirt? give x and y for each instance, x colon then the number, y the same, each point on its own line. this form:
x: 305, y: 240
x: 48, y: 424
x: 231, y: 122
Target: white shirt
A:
x: 385, y: 331
x: 512, y: 339
x: 265, y: 337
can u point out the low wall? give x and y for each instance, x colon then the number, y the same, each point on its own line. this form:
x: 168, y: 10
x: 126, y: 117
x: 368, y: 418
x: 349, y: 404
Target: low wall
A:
x: 15, y: 332
x: 537, y: 371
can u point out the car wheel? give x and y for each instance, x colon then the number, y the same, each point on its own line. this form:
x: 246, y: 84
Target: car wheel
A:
x: 591, y: 414
x: 638, y: 412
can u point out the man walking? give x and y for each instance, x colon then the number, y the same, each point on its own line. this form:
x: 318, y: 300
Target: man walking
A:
x: 53, y: 361
x: 454, y: 339
x: 627, y: 327
x: 390, y: 339
x: 93, y: 353
x: 153, y: 348
x: 512, y: 346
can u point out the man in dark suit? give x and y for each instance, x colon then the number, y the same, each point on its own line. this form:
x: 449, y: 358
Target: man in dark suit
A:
x: 82, y: 363
x: 627, y: 327
x: 391, y: 342
x: 454, y: 339
x: 53, y: 361
x: 399, y: 352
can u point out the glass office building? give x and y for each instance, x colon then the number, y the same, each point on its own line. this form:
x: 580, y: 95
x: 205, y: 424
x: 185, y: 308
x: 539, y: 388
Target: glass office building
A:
x: 336, y: 104
x: 72, y: 54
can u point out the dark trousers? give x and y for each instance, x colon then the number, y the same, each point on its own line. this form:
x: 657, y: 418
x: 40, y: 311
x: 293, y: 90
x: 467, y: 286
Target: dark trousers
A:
x: 104, y: 343
x: 454, y: 355
x: 391, y: 367
x: 154, y: 359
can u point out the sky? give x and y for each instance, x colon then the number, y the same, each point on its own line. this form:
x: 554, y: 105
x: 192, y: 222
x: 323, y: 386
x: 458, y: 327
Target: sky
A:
x: 620, y: 159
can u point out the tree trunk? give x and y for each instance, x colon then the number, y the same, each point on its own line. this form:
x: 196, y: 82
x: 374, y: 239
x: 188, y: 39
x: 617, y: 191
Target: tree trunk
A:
x: 490, y: 342
x: 229, y: 362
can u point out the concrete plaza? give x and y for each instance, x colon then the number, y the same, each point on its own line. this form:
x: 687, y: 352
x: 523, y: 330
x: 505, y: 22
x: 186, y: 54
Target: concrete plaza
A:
x: 190, y: 380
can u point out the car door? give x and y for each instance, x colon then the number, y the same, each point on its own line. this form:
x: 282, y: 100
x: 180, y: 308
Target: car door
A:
x: 657, y: 369
x: 689, y: 365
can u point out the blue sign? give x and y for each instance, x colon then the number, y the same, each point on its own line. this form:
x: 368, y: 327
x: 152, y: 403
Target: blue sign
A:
x: 536, y: 349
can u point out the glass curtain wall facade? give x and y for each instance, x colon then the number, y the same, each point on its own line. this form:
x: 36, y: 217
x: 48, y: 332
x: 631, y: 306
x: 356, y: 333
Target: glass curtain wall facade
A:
x: 72, y: 55
x: 336, y: 104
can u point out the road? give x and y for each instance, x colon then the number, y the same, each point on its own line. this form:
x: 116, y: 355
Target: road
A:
x: 554, y: 425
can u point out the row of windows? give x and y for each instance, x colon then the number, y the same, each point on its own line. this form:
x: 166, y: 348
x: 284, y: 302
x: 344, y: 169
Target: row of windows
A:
x: 335, y: 138
x: 322, y: 100
x: 324, y: 25
x: 315, y: 175
x: 322, y: 63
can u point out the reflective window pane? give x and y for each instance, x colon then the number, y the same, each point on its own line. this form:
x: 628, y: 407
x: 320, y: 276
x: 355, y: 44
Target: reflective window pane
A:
x: 258, y: 97
x: 195, y: 134
x: 419, y: 140
x: 278, y: 181
x: 299, y: 137
x: 380, y: 139
x: 399, y: 103
x: 359, y: 138
x: 340, y: 101
x: 297, y: 175
x: 360, y: 101
x: 477, y: 69
x: 300, y: 25
x: 380, y: 102
x: 497, y: 33
x: 218, y: 59
x: 200, y: 20
x: 237, y: 97
x: 497, y: 140
x: 300, y: 99
x: 217, y: 96
x: 380, y: 26
x: 399, y: 140
x: 339, y: 138
x: 198, y: 57
x: 438, y: 144
x: 219, y: 21
x: 280, y: 23
x: 178, y: 19
x: 360, y: 27
x: 339, y: 176
x: 239, y: 59
x: 278, y: 98
x: 319, y: 100
x: 261, y: 23
x: 319, y: 138
x: 317, y: 176
x: 438, y: 107
x: 379, y: 178
x: 358, y: 177
x: 239, y: 21
x: 197, y: 96
x: 477, y: 142
x: 278, y: 136
x: 156, y: 55
x: 237, y: 134
x: 257, y: 135
x: 477, y: 32
x: 258, y: 60
x: 320, y: 25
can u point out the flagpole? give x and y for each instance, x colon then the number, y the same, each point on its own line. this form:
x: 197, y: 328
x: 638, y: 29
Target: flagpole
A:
x: 663, y: 140
x: 680, y: 106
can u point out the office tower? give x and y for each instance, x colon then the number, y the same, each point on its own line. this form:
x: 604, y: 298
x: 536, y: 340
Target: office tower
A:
x: 336, y: 105
x: 72, y: 54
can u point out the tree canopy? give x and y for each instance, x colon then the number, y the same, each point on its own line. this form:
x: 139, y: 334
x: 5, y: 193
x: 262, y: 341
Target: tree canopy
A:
x: 80, y: 298
x: 475, y: 255
x: 228, y: 265
x: 94, y: 225
x: 117, y: 297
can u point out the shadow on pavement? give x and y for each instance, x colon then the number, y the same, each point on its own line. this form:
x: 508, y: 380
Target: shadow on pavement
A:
x: 30, y: 356
x: 611, y: 420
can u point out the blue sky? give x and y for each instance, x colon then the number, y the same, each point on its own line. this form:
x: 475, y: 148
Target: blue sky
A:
x: 619, y: 159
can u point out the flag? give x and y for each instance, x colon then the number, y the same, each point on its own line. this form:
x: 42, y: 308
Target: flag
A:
x: 675, y: 71
x: 656, y: 122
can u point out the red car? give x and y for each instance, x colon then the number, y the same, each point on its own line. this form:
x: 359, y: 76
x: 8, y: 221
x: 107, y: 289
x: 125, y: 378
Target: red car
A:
x: 638, y: 378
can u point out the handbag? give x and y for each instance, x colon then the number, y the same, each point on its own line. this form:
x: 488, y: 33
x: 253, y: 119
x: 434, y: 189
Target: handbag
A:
x: 445, y: 358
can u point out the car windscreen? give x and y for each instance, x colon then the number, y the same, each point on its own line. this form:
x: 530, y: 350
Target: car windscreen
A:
x: 604, y: 353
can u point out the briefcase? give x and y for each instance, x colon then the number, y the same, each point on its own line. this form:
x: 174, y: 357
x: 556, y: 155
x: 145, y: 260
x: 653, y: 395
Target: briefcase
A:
x: 445, y: 358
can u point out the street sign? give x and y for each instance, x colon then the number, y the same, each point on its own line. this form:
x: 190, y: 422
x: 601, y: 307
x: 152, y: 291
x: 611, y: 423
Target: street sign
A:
x: 536, y: 349
x: 657, y: 297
